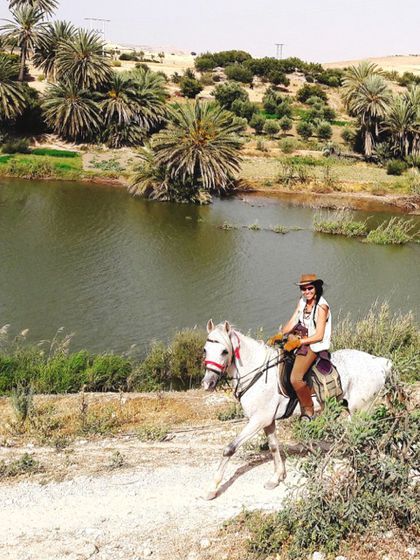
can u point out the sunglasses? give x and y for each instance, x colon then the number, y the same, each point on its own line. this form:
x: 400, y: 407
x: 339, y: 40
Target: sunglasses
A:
x: 306, y: 288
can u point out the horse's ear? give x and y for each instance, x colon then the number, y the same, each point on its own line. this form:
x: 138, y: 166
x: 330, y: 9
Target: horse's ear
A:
x: 210, y: 325
x: 227, y: 327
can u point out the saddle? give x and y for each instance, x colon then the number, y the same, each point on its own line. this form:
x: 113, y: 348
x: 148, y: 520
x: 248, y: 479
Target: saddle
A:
x: 323, y: 378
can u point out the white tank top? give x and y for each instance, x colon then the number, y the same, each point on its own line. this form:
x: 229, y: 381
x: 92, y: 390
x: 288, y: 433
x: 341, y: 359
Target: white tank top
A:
x: 309, y: 323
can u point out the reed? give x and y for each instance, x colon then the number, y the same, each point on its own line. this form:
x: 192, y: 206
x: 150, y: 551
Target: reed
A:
x: 339, y: 222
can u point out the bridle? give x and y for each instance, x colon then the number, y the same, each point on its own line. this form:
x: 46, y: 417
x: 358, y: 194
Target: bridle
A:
x: 244, y: 382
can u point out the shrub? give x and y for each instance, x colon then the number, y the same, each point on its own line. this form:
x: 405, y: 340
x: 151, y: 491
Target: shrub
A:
x: 257, y: 122
x: 25, y: 465
x: 288, y: 145
x: 339, y: 222
x: 206, y: 79
x: 20, y: 146
x: 286, y: 124
x: 324, y: 131
x: 397, y: 231
x: 307, y: 91
x: 54, y: 153
x: 190, y: 87
x: 128, y: 57
x: 244, y: 109
x: 226, y: 94
x: 29, y: 169
x: 271, y: 127
x: 395, y: 167
x: 276, y: 78
x: 186, y: 351
x: 176, y: 78
x: 152, y: 432
x: 116, y: 63
x: 153, y: 373
x: 348, y: 135
x: 305, y: 130
x: 108, y: 372
x: 142, y: 65
x: 239, y: 73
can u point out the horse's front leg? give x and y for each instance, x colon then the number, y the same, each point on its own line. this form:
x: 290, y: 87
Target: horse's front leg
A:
x: 278, y: 457
x: 253, y: 427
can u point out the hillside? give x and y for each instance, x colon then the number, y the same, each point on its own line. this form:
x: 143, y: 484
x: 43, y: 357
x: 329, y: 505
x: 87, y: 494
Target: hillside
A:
x: 399, y: 63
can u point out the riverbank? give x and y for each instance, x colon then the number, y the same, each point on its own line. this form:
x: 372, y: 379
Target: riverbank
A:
x: 356, y: 185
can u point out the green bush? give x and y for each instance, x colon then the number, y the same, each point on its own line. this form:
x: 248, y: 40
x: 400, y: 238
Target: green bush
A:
x: 108, y: 372
x: 19, y: 146
x: 307, y: 91
x: 271, y: 128
x: 153, y: 373
x: 226, y: 94
x: 190, y: 87
x: 395, y: 167
x: 324, y: 130
x: 206, y: 79
x: 186, y: 356
x: 244, y: 109
x: 288, y: 145
x: 239, y: 73
x: 305, y: 130
x: 339, y: 222
x: 63, y: 373
x: 348, y: 135
x: 278, y: 78
x: 29, y: 169
x: 286, y: 124
x: 257, y: 122
x: 397, y: 231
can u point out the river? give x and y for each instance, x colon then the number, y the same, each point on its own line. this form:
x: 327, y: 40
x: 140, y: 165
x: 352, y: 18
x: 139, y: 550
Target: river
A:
x: 118, y: 271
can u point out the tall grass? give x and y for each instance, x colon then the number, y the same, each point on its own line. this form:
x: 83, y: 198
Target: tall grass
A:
x: 54, y: 153
x: 397, y: 231
x: 339, y: 222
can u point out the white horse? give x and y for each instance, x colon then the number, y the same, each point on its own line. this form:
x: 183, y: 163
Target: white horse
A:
x: 253, y: 366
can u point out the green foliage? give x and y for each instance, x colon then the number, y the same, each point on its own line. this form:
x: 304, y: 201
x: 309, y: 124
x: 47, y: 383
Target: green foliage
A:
x: 407, y: 79
x: 22, y: 402
x: 25, y: 465
x: 190, y: 87
x: 231, y: 412
x: 395, y: 167
x: 285, y: 124
x: 324, y: 130
x: 12, y: 95
x: 226, y: 94
x: 153, y: 373
x: 244, y: 109
x: 305, y: 130
x: 271, y: 127
x: 186, y: 356
x: 307, y: 91
x: 276, y: 104
x: 397, y: 231
x: 364, y: 482
x: 152, y: 432
x: 288, y: 145
x: 340, y: 222
x: 18, y: 146
x: 54, y: 153
x: 239, y: 73
x: 257, y: 122
x: 278, y: 78
x: 348, y: 135
x: 208, y: 61
x: 108, y: 372
x: 28, y: 169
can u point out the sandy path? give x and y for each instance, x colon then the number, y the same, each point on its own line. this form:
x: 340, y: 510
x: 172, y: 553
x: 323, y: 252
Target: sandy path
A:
x: 152, y: 507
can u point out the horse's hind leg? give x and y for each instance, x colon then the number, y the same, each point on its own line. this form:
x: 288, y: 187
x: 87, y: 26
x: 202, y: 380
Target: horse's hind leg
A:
x: 247, y: 433
x: 278, y: 457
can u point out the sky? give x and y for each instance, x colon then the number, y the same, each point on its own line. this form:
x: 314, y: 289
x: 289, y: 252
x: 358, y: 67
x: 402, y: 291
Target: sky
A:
x: 314, y: 30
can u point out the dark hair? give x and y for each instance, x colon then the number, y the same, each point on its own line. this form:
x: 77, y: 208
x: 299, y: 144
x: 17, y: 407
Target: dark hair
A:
x: 319, y: 290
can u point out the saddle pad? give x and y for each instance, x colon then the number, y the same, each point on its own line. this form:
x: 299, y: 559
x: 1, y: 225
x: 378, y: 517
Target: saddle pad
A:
x: 325, y: 385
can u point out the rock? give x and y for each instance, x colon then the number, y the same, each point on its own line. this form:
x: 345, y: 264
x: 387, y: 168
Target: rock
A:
x: 204, y: 543
x: 192, y: 556
x: 388, y: 535
x: 340, y: 558
x: 412, y: 551
x: 318, y: 556
x: 147, y: 552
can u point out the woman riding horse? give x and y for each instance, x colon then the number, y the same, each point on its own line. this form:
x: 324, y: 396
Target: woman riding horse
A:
x: 311, y: 323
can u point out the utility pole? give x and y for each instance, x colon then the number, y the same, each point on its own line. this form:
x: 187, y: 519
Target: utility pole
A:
x: 279, y: 50
x: 99, y: 30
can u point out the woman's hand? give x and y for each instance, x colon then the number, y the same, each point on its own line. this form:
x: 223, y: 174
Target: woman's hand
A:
x: 292, y: 344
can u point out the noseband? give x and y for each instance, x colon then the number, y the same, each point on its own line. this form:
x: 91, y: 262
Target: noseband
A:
x: 233, y: 352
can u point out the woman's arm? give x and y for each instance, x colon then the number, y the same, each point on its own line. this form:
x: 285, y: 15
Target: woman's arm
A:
x: 288, y: 327
x: 321, y: 321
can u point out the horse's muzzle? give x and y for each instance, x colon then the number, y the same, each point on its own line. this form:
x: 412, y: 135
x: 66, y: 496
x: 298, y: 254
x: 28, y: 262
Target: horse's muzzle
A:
x: 210, y: 380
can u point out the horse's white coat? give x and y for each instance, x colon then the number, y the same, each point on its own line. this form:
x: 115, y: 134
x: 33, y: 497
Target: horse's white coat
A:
x: 362, y: 375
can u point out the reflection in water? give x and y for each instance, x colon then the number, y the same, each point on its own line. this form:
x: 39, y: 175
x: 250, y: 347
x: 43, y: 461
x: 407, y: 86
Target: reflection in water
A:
x: 119, y: 271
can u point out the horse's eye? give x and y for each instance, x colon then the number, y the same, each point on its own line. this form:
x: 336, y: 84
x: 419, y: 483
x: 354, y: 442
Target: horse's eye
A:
x: 224, y: 352
x: 204, y: 352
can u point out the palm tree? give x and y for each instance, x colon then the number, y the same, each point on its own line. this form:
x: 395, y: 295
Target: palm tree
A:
x: 200, y: 146
x: 24, y: 31
x: 401, y: 121
x: 354, y: 76
x: 48, y: 45
x: 369, y: 103
x: 71, y: 112
x: 151, y: 97
x: 46, y: 6
x: 80, y: 59
x: 12, y: 96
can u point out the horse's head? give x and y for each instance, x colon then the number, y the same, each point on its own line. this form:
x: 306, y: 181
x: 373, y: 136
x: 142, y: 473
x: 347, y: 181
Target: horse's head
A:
x: 222, y: 345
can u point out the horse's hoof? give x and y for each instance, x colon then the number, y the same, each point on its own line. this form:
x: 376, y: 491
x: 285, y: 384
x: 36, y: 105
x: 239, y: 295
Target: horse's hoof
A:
x: 210, y: 495
x: 270, y: 485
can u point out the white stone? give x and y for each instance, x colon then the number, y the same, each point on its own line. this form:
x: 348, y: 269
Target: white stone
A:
x: 412, y: 551
x: 147, y: 552
x: 204, y: 543
x: 388, y: 535
x: 340, y: 558
x: 318, y: 556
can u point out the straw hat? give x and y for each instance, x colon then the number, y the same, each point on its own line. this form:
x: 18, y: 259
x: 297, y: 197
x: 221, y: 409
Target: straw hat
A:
x: 309, y: 279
